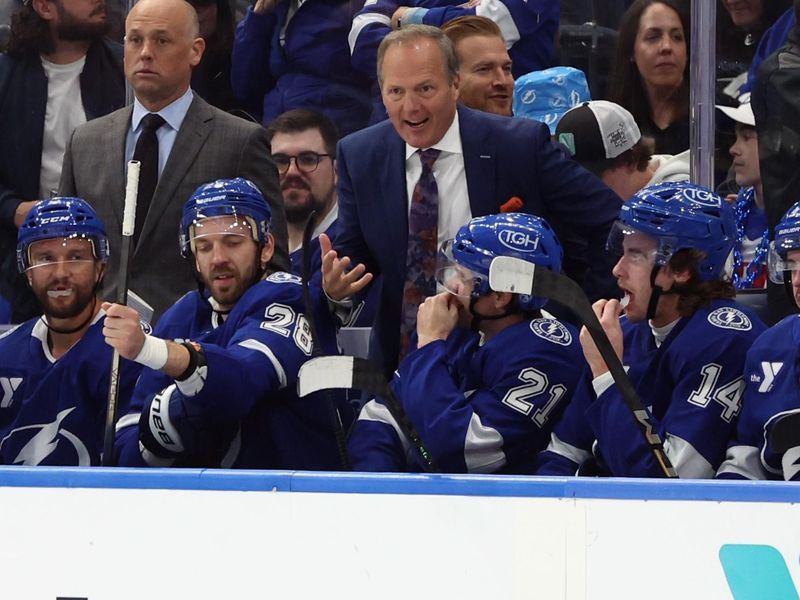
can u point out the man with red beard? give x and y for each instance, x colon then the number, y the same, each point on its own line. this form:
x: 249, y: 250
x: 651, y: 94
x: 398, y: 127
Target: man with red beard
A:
x: 54, y: 369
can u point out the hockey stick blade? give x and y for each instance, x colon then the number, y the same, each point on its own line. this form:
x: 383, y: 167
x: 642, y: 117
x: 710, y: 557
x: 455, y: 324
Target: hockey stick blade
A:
x: 349, y: 372
x: 508, y: 274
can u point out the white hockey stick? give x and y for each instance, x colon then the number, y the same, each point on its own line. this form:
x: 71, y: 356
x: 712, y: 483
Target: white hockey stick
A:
x: 351, y: 373
x: 507, y: 274
x: 128, y: 226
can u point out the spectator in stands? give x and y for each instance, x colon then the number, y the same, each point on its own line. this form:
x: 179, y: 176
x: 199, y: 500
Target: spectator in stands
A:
x: 774, y: 102
x: 527, y: 26
x: 484, y: 66
x: 604, y: 139
x: 749, y: 267
x: 227, y: 395
x: 651, y: 77
x: 56, y: 368
x: 182, y: 142
x: 60, y: 71
x: 740, y: 25
x: 767, y: 443
x: 490, y: 376
x: 479, y: 162
x: 211, y: 79
x: 291, y: 54
x: 683, y: 340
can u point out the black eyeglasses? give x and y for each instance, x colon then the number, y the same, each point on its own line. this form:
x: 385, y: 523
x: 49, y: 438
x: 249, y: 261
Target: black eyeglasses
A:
x: 305, y: 161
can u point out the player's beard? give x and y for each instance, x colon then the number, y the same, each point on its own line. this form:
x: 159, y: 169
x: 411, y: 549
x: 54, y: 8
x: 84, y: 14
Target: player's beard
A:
x: 83, y: 296
x: 71, y: 29
x: 244, y: 280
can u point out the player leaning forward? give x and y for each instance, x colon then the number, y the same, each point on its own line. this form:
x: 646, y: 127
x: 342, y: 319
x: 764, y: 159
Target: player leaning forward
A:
x: 682, y: 339
x: 767, y: 444
x: 490, y: 375
x: 54, y: 369
x: 223, y: 393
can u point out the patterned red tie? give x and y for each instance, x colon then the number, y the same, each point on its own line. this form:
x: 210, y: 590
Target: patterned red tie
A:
x: 423, y: 220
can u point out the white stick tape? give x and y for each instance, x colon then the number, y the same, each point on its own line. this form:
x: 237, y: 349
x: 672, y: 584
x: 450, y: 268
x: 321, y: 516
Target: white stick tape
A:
x: 131, y: 192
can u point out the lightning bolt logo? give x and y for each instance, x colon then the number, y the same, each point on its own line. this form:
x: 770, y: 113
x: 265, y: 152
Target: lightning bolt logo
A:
x: 41, y: 445
x: 552, y: 331
x: 728, y: 317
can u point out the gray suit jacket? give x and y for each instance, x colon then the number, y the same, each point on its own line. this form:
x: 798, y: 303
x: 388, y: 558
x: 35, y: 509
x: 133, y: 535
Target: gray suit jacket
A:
x: 210, y: 145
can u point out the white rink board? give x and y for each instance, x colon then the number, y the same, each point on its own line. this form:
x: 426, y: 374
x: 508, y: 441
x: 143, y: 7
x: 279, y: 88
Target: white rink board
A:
x: 371, y: 537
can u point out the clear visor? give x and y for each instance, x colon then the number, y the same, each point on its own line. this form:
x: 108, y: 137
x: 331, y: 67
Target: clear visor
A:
x: 637, y: 247
x: 237, y: 225
x: 74, y: 250
x: 780, y: 266
x: 453, y: 277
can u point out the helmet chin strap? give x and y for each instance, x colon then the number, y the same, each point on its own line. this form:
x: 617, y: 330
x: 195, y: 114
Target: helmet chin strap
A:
x: 657, y: 292
x: 478, y: 318
x: 83, y: 324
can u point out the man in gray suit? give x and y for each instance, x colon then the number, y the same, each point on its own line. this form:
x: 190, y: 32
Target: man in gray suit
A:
x: 196, y: 143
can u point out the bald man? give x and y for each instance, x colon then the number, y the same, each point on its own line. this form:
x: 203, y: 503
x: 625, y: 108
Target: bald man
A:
x: 194, y: 144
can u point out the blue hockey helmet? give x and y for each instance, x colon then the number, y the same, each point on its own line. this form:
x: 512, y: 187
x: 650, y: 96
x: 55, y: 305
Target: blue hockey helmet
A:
x: 64, y: 217
x: 679, y: 215
x: 237, y: 197
x: 787, y: 237
x: 463, y: 265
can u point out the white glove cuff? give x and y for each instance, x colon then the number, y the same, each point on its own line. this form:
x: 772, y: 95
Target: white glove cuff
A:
x: 154, y: 353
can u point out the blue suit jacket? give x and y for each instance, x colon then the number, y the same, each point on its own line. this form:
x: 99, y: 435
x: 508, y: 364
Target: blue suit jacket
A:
x: 503, y: 157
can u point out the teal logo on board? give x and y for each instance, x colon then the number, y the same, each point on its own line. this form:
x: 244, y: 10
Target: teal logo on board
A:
x: 756, y: 572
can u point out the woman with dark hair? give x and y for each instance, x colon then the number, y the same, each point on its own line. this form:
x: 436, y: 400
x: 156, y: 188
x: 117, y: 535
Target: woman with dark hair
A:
x: 651, y: 75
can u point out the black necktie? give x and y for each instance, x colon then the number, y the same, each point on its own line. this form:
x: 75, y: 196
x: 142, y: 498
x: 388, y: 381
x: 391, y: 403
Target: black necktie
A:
x: 146, y: 152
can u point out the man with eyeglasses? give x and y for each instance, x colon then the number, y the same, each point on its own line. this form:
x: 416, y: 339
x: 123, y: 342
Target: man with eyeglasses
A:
x: 683, y: 340
x: 304, y: 149
x: 54, y: 369
x: 303, y: 144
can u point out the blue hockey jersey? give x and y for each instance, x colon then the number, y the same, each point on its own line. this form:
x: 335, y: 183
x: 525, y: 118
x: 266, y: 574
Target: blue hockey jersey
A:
x: 244, y: 412
x: 772, y: 393
x: 691, y: 385
x: 53, y: 412
x: 528, y: 27
x: 478, y: 409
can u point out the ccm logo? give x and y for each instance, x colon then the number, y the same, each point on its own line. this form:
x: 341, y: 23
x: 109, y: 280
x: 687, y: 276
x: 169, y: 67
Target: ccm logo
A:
x: 62, y: 218
x: 518, y: 240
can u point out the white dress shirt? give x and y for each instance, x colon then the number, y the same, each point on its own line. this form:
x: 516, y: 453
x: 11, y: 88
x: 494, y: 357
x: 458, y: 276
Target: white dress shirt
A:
x: 451, y: 181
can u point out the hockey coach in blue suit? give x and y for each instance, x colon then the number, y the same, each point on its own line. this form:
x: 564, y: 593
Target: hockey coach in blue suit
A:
x: 478, y: 163
x: 223, y: 392
x: 55, y: 369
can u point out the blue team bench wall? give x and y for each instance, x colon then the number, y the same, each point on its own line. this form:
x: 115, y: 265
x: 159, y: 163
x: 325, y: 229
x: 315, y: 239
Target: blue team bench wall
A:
x: 368, y: 483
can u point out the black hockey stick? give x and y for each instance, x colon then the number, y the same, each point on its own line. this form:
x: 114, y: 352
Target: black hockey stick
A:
x: 507, y: 274
x: 349, y: 372
x: 335, y: 417
x: 128, y: 226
